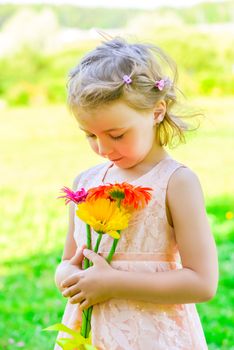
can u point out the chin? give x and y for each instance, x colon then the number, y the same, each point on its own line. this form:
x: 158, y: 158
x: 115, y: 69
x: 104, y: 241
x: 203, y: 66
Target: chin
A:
x: 127, y: 165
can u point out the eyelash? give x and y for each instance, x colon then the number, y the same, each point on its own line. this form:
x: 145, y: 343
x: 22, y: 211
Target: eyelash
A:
x: 113, y: 137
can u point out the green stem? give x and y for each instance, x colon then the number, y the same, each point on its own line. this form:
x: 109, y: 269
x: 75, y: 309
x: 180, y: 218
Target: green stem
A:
x: 113, y: 248
x: 98, y: 242
x: 89, y: 314
x: 88, y: 234
x: 88, y: 230
x: 86, y: 266
x: 86, y: 325
x: 90, y: 309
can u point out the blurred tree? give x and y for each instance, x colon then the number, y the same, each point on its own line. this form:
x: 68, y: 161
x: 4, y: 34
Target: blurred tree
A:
x: 29, y: 28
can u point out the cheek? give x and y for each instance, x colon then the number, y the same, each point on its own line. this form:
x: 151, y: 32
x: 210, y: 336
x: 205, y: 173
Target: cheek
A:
x: 93, y: 144
x: 139, y: 143
x: 130, y: 146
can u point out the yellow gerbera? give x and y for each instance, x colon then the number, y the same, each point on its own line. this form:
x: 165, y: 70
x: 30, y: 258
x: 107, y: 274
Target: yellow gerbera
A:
x: 104, y: 216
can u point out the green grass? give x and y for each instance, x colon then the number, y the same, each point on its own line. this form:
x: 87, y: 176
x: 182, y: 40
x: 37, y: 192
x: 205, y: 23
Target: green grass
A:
x: 44, y: 150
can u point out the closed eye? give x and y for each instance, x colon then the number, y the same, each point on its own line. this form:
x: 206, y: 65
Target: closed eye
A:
x: 112, y: 137
x: 117, y: 137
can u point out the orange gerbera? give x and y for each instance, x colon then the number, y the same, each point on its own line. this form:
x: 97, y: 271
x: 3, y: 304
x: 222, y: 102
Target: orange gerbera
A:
x: 98, y: 192
x: 127, y: 194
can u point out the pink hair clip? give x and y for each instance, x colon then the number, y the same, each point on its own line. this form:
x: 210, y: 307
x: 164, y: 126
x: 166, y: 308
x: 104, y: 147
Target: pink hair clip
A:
x: 127, y: 79
x: 160, y: 84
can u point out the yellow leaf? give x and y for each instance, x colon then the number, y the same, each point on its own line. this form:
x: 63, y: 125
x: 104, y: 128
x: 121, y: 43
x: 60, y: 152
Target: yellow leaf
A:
x: 61, y: 327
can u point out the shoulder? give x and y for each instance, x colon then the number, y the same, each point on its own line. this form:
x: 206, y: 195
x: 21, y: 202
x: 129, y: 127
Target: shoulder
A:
x: 183, y: 178
x: 92, y: 171
x: 184, y: 192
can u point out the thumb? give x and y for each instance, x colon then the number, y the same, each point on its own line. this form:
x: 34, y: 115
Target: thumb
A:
x: 78, y: 257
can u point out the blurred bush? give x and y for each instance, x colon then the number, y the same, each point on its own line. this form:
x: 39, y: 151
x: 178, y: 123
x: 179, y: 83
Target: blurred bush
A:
x: 35, y: 73
x: 30, y: 77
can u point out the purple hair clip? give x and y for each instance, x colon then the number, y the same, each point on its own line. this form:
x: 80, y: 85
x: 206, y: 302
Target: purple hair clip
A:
x: 160, y: 84
x: 127, y: 79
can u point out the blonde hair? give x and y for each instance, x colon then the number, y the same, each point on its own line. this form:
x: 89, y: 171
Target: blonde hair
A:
x: 98, y: 80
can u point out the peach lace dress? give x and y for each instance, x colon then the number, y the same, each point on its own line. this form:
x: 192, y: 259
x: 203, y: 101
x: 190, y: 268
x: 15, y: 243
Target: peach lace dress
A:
x: 147, y: 245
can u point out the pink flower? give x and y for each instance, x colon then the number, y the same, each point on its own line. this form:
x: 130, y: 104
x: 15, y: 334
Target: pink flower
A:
x: 71, y: 196
x: 160, y: 84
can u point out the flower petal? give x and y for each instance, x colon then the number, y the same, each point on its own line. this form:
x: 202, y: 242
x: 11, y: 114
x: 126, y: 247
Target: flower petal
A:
x: 114, y: 234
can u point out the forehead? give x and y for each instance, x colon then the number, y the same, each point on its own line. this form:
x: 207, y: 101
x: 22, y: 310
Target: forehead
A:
x: 109, y: 116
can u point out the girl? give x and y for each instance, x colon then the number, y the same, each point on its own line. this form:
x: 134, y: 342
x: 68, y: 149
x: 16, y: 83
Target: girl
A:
x: 166, y: 259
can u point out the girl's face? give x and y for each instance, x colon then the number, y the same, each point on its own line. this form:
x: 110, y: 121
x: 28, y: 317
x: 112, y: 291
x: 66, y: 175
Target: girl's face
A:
x: 115, y: 131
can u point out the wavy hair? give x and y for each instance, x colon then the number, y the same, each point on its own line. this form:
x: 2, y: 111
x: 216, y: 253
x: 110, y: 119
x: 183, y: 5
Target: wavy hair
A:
x: 98, y: 80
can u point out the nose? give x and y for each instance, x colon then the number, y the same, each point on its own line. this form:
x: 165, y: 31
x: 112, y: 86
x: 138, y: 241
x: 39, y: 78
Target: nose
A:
x: 103, y: 148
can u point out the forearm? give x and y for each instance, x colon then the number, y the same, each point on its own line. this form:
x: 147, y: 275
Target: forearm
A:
x: 63, y: 270
x: 170, y: 287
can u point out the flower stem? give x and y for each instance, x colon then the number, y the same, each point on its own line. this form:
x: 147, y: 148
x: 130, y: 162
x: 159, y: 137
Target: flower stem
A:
x: 90, y: 309
x: 88, y: 312
x: 98, y: 242
x: 88, y: 233
x: 86, y: 265
x: 113, y: 248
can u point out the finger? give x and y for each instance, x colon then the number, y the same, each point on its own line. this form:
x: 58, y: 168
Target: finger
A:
x: 71, y: 280
x: 92, y: 256
x: 69, y: 292
x: 78, y: 257
x: 77, y: 298
x: 84, y: 305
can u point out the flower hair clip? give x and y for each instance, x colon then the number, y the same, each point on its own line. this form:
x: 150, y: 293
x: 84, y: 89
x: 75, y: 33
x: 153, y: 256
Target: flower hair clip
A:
x: 160, y: 84
x: 127, y: 79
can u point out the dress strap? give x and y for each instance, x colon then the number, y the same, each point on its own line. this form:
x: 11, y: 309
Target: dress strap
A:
x: 160, y: 179
x: 168, y: 170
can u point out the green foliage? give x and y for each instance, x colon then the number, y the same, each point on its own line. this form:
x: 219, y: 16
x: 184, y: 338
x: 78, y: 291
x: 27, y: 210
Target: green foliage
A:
x: 28, y: 298
x: 216, y: 316
x: 205, y: 68
x: 86, y: 18
x: 6, y: 11
x: 205, y: 12
x: 204, y: 54
x: 29, y: 77
x: 77, y: 17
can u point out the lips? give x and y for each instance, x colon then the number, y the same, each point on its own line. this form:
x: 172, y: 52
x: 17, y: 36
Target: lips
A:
x: 114, y: 160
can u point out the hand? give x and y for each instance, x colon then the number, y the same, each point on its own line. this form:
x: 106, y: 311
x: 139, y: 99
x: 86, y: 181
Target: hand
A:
x: 74, y: 265
x: 90, y: 286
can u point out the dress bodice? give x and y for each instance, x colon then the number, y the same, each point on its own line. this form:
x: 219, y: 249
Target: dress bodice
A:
x: 148, y: 230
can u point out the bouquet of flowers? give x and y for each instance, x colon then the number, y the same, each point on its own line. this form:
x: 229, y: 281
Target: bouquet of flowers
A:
x: 106, y: 209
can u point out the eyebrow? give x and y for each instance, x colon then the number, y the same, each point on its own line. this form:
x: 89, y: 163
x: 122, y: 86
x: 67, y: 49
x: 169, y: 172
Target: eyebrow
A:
x: 105, y: 130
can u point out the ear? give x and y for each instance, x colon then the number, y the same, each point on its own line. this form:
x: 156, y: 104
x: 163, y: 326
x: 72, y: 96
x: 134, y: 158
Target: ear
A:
x: 159, y: 111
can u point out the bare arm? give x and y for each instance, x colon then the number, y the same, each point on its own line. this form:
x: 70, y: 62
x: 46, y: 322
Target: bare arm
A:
x: 66, y: 268
x: 197, y: 280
